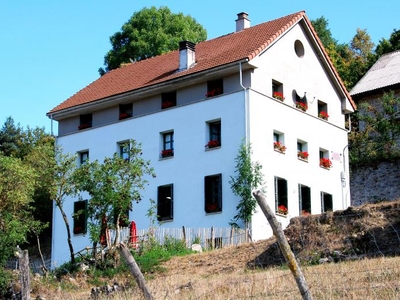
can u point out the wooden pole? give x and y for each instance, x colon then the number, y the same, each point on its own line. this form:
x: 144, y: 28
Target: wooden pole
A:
x: 184, y: 235
x: 24, y: 274
x: 134, y: 268
x: 284, y: 246
x: 212, y: 238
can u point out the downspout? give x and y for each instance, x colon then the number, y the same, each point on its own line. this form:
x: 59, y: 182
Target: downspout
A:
x: 246, y: 107
x: 344, y: 174
x: 51, y: 125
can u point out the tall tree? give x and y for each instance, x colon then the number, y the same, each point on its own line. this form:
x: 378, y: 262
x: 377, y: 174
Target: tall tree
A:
x: 150, y: 32
x: 248, y: 178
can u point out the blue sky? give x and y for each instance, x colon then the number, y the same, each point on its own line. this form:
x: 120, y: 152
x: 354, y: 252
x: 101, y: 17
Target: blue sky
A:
x: 49, y: 49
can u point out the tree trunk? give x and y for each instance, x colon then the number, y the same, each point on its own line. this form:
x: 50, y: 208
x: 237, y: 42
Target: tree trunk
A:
x: 284, y: 246
x: 71, y: 248
x: 41, y: 256
x: 134, y: 268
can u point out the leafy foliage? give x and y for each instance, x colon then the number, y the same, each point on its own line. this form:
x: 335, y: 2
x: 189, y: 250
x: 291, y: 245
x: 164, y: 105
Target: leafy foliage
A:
x: 112, y: 186
x: 248, y: 177
x: 150, y: 32
x: 386, y: 46
x: 378, y: 136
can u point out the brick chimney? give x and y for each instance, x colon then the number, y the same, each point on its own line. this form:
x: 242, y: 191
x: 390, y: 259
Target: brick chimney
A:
x: 187, y: 55
x: 242, y: 21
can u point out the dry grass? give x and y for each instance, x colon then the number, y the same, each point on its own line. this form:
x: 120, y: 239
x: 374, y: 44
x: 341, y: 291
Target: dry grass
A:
x: 377, y: 278
x: 235, y: 273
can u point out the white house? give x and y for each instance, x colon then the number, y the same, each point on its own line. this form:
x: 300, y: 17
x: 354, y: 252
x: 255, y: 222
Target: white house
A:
x: 217, y: 93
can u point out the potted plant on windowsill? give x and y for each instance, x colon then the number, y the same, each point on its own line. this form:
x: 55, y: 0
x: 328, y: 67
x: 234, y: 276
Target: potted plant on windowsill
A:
x: 84, y: 126
x: 167, y: 153
x: 278, y: 95
x: 214, y: 92
x: 124, y: 115
x: 278, y: 146
x: 323, y: 115
x: 305, y: 213
x: 302, y: 155
x: 213, y: 144
x: 325, y: 163
x: 301, y: 105
x: 167, y: 104
x: 212, y: 207
x: 282, y: 210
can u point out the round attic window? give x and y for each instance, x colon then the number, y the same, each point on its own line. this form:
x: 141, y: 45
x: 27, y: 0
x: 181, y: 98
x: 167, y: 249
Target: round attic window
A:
x: 299, y: 48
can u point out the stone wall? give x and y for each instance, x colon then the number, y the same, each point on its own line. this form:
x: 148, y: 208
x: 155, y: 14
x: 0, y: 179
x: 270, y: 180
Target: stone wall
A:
x: 371, y: 184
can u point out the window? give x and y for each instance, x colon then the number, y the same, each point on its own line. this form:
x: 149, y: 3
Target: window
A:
x: 165, y: 207
x: 299, y: 48
x: 123, y: 149
x: 302, y: 150
x: 324, y: 161
x: 281, y: 196
x: 277, y: 90
x: 125, y: 111
x: 322, y: 110
x: 279, y: 142
x: 300, y: 100
x: 83, y: 157
x: 326, y: 202
x: 80, y: 217
x: 214, y: 88
x: 167, y: 144
x: 214, y: 132
x: 304, y: 200
x: 85, y: 121
x: 168, y: 100
x: 213, y: 193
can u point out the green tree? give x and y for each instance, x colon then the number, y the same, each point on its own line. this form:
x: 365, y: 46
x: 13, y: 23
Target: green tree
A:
x: 11, y: 136
x: 17, y: 182
x: 112, y: 186
x: 385, y: 46
x: 150, y: 32
x: 248, y: 178
x: 378, y: 137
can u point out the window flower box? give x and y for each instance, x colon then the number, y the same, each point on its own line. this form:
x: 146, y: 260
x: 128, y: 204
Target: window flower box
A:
x: 323, y: 115
x: 124, y: 115
x: 282, y: 210
x: 213, y: 144
x: 84, y: 126
x: 212, y: 207
x: 278, y: 95
x: 279, y: 147
x: 305, y: 213
x: 214, y: 92
x: 325, y: 163
x: 302, y: 155
x: 167, y: 153
x: 301, y: 105
x: 167, y: 104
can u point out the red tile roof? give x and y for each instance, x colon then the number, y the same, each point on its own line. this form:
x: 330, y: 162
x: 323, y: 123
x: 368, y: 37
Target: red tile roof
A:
x: 236, y: 46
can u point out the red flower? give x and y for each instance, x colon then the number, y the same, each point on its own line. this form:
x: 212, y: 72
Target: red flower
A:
x: 282, y: 209
x: 124, y: 116
x: 278, y: 95
x: 214, y: 92
x: 84, y: 126
x: 280, y: 147
x: 213, y: 144
x: 301, y: 105
x: 167, y: 104
x: 323, y: 115
x: 167, y: 153
x: 325, y: 163
x: 302, y: 154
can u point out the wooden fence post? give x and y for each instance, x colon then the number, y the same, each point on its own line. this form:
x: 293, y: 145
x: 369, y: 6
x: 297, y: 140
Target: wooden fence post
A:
x: 134, y: 268
x: 184, y: 235
x: 24, y: 274
x: 284, y: 246
x: 212, y: 238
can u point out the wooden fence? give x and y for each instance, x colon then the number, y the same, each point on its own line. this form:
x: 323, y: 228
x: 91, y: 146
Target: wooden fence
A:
x: 208, y: 238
